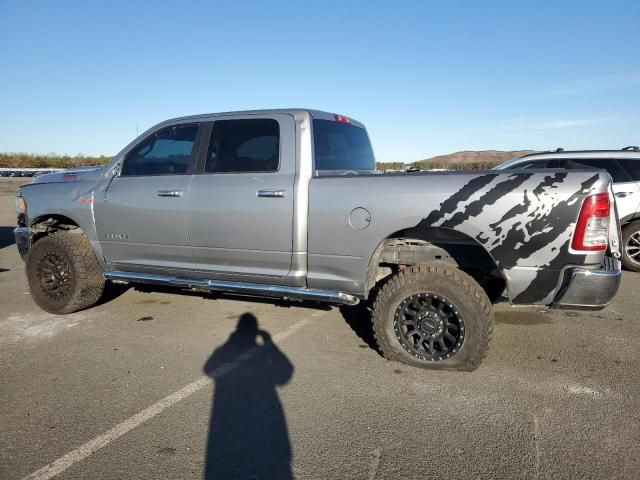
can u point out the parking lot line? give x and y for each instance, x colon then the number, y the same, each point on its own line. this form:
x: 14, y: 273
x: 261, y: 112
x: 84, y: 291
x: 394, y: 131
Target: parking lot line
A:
x: 63, y: 463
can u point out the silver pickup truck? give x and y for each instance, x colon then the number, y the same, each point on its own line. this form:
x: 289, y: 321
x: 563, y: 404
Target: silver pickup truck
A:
x: 288, y: 203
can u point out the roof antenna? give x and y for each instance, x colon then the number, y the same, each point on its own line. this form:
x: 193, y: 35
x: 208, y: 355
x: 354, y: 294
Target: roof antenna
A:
x: 559, y: 150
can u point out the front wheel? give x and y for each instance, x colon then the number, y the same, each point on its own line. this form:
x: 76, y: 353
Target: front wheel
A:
x: 64, y: 274
x: 433, y: 316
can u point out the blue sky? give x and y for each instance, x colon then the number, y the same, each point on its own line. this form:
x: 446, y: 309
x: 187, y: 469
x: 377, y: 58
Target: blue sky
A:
x: 426, y: 77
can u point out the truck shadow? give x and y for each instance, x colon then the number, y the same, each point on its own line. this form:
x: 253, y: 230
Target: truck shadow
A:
x: 358, y: 318
x: 6, y: 236
x: 248, y: 435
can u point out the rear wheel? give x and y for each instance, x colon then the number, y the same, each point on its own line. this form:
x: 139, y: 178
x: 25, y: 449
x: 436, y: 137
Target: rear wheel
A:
x: 64, y: 274
x: 433, y: 316
x: 631, y: 242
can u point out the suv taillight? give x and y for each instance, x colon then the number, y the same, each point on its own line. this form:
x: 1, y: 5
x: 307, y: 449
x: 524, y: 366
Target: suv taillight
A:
x: 592, y: 229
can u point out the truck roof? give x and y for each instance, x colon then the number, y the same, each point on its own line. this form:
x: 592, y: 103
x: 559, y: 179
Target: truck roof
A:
x: 315, y: 114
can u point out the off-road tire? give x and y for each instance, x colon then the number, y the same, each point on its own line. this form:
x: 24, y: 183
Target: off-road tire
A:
x: 446, y: 282
x: 83, y: 279
x: 627, y: 232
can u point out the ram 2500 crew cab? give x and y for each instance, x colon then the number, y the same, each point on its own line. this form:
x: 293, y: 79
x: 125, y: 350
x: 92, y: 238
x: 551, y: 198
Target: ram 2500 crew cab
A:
x: 288, y: 203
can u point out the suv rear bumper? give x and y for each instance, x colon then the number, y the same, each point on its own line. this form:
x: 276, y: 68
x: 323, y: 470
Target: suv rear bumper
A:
x: 589, y: 289
x: 23, y: 240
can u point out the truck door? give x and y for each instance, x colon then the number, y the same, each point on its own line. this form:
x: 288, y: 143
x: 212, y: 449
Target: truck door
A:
x: 142, y: 219
x: 241, y: 201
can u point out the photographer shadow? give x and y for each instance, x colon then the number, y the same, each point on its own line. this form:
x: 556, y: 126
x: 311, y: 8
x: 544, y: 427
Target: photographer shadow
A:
x: 248, y: 435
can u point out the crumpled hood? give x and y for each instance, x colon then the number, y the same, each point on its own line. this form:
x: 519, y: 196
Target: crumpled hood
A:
x: 70, y: 175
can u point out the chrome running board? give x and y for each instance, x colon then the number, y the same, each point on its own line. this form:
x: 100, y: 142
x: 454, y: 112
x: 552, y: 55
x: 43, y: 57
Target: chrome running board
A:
x: 257, y: 289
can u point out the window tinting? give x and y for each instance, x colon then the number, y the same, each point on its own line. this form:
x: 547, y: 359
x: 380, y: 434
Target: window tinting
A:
x: 341, y: 146
x: 609, y: 164
x: 632, y: 167
x: 166, y: 152
x: 244, y: 146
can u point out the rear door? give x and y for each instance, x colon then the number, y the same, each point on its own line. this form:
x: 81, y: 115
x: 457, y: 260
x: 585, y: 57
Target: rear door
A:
x: 142, y: 219
x: 625, y: 188
x: 632, y: 167
x: 241, y: 201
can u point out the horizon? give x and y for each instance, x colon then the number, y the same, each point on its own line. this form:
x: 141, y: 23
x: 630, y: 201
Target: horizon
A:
x: 426, y: 79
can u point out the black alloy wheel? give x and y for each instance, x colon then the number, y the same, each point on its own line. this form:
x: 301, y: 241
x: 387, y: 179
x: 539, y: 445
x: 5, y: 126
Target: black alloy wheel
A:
x: 429, y: 327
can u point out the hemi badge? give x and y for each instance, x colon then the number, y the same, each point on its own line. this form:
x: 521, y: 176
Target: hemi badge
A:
x: 86, y: 200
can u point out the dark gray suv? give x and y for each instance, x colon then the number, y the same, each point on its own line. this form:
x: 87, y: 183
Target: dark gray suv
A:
x: 624, y: 168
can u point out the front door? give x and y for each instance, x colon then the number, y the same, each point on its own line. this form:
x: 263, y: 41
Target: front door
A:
x: 241, y: 201
x: 142, y: 219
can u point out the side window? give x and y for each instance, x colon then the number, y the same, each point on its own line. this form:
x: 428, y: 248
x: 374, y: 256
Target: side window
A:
x: 609, y: 164
x: 244, y: 146
x: 632, y: 167
x: 538, y: 164
x: 166, y: 152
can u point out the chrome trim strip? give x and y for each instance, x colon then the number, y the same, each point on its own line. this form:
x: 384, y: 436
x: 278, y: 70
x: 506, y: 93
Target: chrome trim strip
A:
x: 277, y: 291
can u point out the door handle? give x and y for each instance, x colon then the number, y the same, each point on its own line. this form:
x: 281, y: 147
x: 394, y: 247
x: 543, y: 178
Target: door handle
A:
x: 271, y: 193
x: 623, y: 194
x: 169, y: 193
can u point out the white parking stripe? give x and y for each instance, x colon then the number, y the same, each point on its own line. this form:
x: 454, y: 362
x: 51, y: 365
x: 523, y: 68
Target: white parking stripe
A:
x: 60, y: 465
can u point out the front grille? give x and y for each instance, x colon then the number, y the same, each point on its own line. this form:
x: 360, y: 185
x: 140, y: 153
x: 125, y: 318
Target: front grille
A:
x: 22, y: 221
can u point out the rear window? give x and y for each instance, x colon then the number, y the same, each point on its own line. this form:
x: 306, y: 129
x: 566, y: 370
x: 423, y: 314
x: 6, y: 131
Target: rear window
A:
x: 341, y: 146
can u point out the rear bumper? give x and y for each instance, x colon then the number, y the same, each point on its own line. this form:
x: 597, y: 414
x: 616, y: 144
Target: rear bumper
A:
x: 589, y: 289
x: 23, y: 240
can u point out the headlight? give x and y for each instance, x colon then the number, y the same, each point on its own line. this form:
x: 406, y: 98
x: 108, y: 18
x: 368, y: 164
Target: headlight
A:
x: 21, y: 205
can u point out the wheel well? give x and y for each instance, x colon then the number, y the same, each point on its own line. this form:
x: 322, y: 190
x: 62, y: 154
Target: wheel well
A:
x: 48, y: 224
x: 412, y: 246
x: 630, y: 221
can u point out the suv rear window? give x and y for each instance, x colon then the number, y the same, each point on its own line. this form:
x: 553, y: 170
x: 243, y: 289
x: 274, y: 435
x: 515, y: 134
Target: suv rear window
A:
x: 341, y: 146
x: 537, y: 164
x: 632, y: 166
x: 611, y: 165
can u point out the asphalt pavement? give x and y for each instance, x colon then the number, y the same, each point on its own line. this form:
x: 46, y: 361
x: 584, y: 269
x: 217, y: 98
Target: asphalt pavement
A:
x: 157, y: 384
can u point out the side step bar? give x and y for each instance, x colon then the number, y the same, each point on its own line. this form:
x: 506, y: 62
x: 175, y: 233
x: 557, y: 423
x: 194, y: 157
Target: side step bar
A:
x: 257, y: 289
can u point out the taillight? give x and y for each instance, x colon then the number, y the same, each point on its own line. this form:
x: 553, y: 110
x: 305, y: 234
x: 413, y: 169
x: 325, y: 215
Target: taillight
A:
x: 341, y: 118
x: 592, y: 229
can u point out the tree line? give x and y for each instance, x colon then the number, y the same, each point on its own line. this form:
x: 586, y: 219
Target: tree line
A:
x: 32, y: 160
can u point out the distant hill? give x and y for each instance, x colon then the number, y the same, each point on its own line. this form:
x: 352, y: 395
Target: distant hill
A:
x: 459, y: 160
x: 470, y: 159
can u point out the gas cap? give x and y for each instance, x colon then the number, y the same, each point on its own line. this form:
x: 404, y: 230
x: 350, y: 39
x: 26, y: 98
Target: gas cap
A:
x: 360, y: 218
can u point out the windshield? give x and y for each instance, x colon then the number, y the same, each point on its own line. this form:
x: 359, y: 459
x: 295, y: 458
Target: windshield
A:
x: 341, y: 146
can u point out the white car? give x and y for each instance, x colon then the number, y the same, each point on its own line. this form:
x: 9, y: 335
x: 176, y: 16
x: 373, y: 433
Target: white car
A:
x: 624, y: 168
